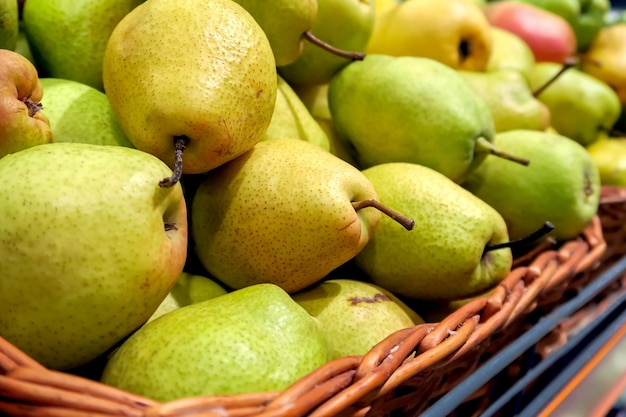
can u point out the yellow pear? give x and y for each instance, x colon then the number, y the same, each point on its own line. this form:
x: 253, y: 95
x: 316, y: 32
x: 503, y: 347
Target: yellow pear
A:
x: 453, y: 32
x: 509, y: 51
x: 609, y: 154
x: 198, y: 75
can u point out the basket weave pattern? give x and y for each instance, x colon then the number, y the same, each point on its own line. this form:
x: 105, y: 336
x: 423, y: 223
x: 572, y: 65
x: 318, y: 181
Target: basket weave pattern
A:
x: 404, y: 372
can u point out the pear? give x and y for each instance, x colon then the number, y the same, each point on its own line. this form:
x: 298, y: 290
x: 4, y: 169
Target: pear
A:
x: 217, y: 102
x: 609, y: 155
x: 428, y: 114
x: 447, y: 256
x: 253, y: 339
x: 561, y: 185
x: 284, y: 22
x: 282, y: 213
x: 606, y: 58
x: 68, y: 38
x: 93, y: 250
x: 292, y: 120
x: 509, y: 51
x: 22, y: 123
x: 581, y: 106
x: 78, y: 112
x: 9, y: 24
x: 189, y: 289
x: 510, y: 99
x: 355, y: 315
x: 343, y: 24
x: 453, y: 32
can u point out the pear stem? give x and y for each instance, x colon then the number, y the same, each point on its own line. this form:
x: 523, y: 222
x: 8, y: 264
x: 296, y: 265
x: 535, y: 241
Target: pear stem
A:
x: 351, y: 55
x: 569, y: 63
x: 542, y: 231
x: 180, y: 142
x: 483, y: 145
x: 32, y: 106
x: 405, y: 221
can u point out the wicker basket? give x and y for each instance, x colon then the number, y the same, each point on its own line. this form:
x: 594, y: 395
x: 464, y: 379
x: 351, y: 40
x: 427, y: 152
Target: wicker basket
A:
x: 402, y: 374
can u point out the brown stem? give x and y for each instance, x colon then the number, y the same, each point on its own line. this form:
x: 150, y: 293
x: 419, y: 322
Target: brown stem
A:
x: 180, y: 142
x: 484, y: 146
x: 405, y: 221
x: 351, y: 55
x: 569, y: 63
x: 542, y: 231
x: 33, y: 106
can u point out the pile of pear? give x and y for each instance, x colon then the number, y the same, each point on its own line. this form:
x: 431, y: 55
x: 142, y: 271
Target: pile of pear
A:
x: 216, y: 197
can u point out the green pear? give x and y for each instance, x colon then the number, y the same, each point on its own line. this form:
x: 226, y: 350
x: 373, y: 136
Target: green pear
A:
x: 284, y: 22
x: 282, y: 213
x: 189, y: 289
x: 355, y: 315
x: 411, y: 109
x: 447, y: 255
x: 509, y: 51
x: 92, y: 251
x: 292, y: 120
x: 78, y: 112
x: 22, y: 46
x: 561, y: 185
x: 609, y: 155
x: 344, y: 24
x: 510, y: 99
x: 9, y: 24
x: 581, y: 106
x: 68, y: 38
x: 22, y: 123
x: 250, y: 340
x: 216, y: 103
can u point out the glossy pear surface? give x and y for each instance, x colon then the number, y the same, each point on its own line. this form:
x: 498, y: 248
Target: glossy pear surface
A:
x: 560, y: 185
x: 281, y: 213
x: 409, y: 109
x: 355, y: 315
x: 220, y: 97
x: 94, y: 248
x: 444, y: 256
x: 453, y: 32
x: 609, y: 154
x: 510, y: 52
x: 252, y: 340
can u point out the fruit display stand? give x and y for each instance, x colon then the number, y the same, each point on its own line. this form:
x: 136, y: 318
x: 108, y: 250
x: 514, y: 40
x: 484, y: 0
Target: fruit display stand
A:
x: 476, y: 360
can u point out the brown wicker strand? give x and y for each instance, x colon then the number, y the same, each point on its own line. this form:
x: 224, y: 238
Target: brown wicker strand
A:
x: 252, y: 403
x: 11, y: 357
x: 33, y: 410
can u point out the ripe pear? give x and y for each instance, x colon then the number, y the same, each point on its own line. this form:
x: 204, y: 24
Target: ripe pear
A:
x: 22, y: 123
x: 509, y: 51
x: 189, y: 289
x: 609, y: 155
x: 9, y: 24
x: 606, y: 58
x: 453, y: 32
x: 216, y: 103
x: 561, y: 185
x: 446, y: 256
x: 343, y: 24
x: 355, y: 315
x: 284, y: 22
x: 282, y: 213
x: 78, y: 112
x: 428, y: 114
x: 292, y: 120
x: 93, y: 249
x: 253, y: 339
x: 581, y: 106
x: 68, y: 38
x: 510, y: 99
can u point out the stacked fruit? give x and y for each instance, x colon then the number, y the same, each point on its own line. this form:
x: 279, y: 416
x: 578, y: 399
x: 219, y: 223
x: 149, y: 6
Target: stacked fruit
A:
x: 218, y: 196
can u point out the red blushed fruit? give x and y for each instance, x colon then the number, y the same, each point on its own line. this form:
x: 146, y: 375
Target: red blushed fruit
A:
x: 548, y: 35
